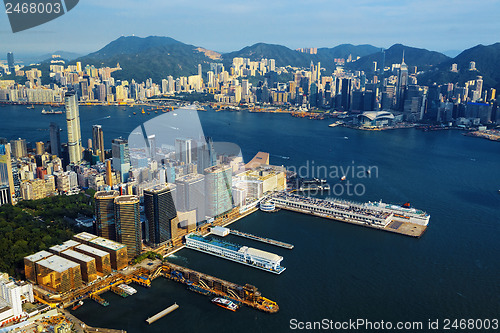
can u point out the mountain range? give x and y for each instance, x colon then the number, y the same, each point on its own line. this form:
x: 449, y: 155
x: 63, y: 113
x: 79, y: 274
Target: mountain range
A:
x: 157, y: 57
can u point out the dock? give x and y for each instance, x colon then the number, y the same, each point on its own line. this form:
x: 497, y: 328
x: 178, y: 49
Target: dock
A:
x: 376, y: 215
x: 162, y: 314
x: 261, y: 239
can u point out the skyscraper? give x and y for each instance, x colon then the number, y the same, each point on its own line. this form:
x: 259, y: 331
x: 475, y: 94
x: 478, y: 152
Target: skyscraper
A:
x: 105, y: 214
x: 98, y: 142
x: 6, y: 176
x: 10, y: 62
x: 161, y: 214
x: 18, y: 148
x: 191, y: 195
x: 40, y: 148
x: 346, y: 94
x: 55, y: 139
x: 218, y: 184
x: 128, y: 224
x: 121, y: 158
x: 184, y: 150
x: 73, y: 122
x: 402, y: 83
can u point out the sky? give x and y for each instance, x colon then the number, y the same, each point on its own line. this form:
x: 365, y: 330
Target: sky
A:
x: 229, y: 25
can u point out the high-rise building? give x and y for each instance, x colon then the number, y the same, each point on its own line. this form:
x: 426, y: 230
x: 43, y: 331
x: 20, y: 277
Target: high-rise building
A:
x: 402, y: 83
x: 98, y: 142
x: 128, y: 224
x: 346, y: 94
x: 40, y: 148
x: 191, y: 195
x: 218, y: 184
x: 18, y: 148
x: 74, y: 134
x: 6, y: 175
x: 121, y: 158
x: 105, y: 214
x: 109, y: 173
x: 10, y: 62
x: 184, y: 150
x: 55, y: 139
x: 161, y: 214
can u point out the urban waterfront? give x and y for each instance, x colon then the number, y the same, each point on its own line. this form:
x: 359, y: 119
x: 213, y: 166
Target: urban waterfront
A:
x: 335, y: 271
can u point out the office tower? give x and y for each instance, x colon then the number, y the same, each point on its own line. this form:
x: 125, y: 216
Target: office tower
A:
x: 6, y: 175
x: 128, y: 224
x: 402, y: 83
x: 479, y: 86
x: 73, y: 122
x: 318, y: 73
x: 109, y: 173
x: 121, y: 158
x: 346, y: 94
x: 161, y: 214
x: 191, y: 195
x: 55, y: 139
x: 98, y: 141
x: 40, y: 148
x: 152, y: 146
x: 18, y: 148
x: 218, y: 184
x: 105, y: 214
x: 199, y: 71
x: 10, y: 62
x: 184, y: 150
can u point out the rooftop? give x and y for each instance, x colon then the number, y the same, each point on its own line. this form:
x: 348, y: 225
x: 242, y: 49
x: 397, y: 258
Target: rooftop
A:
x: 85, y: 236
x: 264, y: 254
x: 106, y: 194
x: 127, y: 199
x: 78, y: 256
x: 109, y: 244
x: 64, y: 246
x: 91, y: 250
x: 160, y: 188
x: 215, y: 242
x: 57, y: 264
x: 38, y: 256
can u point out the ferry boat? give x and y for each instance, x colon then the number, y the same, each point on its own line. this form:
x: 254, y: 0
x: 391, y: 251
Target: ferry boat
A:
x: 225, y: 303
x: 314, y: 184
x: 343, y: 178
x: 127, y: 289
x: 335, y: 124
x: 77, y: 305
x: 51, y: 112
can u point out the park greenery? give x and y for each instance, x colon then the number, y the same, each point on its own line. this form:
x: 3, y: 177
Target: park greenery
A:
x: 32, y: 226
x: 147, y: 255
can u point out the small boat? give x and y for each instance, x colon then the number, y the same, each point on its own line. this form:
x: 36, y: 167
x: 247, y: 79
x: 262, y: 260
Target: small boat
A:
x: 135, y: 113
x: 143, y: 111
x: 225, y: 303
x: 77, y: 305
x: 337, y: 123
x: 343, y: 178
x: 368, y: 172
x: 31, y: 107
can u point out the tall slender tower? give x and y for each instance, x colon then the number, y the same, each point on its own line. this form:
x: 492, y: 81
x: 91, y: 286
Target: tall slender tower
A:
x: 6, y: 176
x: 105, y: 213
x: 218, y: 185
x: 402, y: 83
x: 128, y: 224
x: 74, y: 134
x: 98, y: 141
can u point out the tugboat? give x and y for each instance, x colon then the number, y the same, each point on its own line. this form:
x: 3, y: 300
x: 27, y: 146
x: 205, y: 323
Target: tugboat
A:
x: 225, y: 303
x: 77, y: 305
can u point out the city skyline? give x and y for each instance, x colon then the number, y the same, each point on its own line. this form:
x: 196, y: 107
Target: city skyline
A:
x: 318, y: 24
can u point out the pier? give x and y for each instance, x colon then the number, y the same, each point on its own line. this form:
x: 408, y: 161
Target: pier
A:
x: 162, y: 314
x: 261, y: 239
x: 377, y: 215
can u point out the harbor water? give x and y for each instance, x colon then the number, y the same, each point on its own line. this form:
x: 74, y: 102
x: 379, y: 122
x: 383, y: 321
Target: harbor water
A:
x: 335, y: 271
